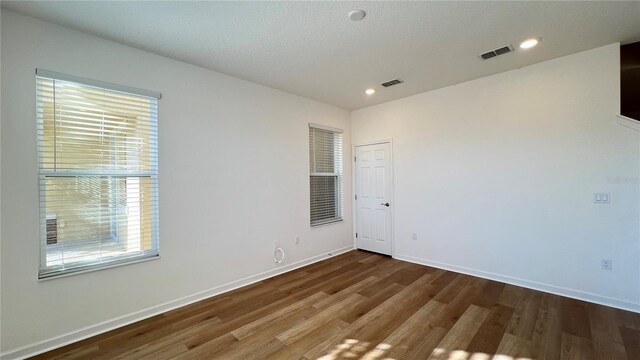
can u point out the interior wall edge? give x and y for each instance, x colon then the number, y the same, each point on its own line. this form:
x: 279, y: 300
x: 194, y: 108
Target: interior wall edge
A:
x: 105, y: 326
x: 534, y: 285
x: 628, y: 122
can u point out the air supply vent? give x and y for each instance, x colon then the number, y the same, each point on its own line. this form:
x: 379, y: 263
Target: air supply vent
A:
x: 392, y: 82
x: 496, y: 52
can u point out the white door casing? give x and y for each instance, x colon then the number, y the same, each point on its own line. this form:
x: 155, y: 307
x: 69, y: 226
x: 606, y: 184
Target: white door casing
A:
x: 373, y: 198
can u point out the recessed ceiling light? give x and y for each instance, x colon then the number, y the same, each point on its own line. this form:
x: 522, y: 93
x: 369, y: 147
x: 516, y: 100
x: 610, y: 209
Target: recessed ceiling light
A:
x: 357, y: 15
x: 529, y: 43
x: 370, y: 91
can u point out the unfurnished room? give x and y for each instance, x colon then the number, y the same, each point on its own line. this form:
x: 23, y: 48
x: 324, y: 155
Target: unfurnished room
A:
x: 320, y: 180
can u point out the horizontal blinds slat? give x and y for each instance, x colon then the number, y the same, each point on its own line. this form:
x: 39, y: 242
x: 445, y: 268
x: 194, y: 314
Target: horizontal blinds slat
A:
x: 88, y: 95
x: 126, y: 125
x: 118, y: 121
x: 326, y: 128
x: 48, y: 74
x: 81, y: 145
x: 98, y: 159
x: 110, y: 108
x: 99, y: 135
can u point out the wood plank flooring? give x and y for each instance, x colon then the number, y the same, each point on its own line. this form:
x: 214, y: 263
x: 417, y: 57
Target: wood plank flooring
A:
x: 366, y: 306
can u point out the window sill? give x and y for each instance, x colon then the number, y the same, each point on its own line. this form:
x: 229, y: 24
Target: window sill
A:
x: 327, y: 223
x: 99, y: 268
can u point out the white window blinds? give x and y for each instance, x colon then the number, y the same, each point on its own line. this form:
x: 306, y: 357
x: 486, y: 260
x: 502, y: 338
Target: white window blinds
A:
x: 325, y: 161
x: 98, y: 169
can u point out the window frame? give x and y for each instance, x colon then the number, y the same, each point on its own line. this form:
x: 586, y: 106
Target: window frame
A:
x: 46, y: 272
x: 338, y: 157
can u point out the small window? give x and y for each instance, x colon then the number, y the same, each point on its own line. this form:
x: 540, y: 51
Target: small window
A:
x: 98, y: 169
x: 325, y: 162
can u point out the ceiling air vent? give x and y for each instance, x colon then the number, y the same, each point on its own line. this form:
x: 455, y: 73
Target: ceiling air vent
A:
x: 496, y: 52
x: 392, y: 82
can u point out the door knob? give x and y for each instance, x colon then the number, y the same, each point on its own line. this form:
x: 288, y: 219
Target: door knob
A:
x: 385, y: 204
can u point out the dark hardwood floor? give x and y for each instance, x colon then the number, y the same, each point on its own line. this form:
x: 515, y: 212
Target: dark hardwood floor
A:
x: 366, y: 306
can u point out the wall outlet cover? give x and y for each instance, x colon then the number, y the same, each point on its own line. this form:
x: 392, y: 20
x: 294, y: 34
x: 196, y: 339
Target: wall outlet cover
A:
x: 606, y: 264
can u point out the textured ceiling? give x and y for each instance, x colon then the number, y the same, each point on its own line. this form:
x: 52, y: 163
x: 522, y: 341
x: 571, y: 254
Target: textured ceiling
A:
x: 313, y: 49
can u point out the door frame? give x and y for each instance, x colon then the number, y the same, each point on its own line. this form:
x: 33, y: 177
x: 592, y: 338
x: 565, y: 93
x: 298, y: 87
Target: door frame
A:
x: 354, y: 206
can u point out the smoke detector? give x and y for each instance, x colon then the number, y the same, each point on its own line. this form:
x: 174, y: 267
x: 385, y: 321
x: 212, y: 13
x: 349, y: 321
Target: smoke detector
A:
x: 357, y: 15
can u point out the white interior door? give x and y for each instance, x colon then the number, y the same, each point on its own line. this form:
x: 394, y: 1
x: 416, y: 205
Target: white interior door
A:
x: 373, y: 198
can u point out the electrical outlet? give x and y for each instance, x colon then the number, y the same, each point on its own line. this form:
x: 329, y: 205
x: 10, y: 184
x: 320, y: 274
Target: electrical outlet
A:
x: 414, y: 236
x: 297, y: 240
x: 606, y: 264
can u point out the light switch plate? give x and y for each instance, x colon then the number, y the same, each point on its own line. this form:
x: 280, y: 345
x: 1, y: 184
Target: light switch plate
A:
x: 602, y: 198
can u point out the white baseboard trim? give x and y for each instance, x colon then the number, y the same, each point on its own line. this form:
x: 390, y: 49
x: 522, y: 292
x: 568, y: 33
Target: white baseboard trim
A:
x: 557, y: 290
x: 93, y: 330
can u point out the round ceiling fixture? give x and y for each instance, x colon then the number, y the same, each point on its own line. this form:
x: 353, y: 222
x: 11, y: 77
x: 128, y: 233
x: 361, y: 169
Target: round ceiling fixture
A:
x: 370, y: 91
x: 529, y: 43
x: 357, y: 15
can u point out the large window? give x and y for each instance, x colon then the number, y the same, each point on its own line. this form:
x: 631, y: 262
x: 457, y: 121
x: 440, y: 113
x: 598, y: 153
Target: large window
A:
x: 325, y: 162
x: 98, y: 169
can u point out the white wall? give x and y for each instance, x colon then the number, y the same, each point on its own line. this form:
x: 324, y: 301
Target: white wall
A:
x: 497, y: 175
x: 233, y: 180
